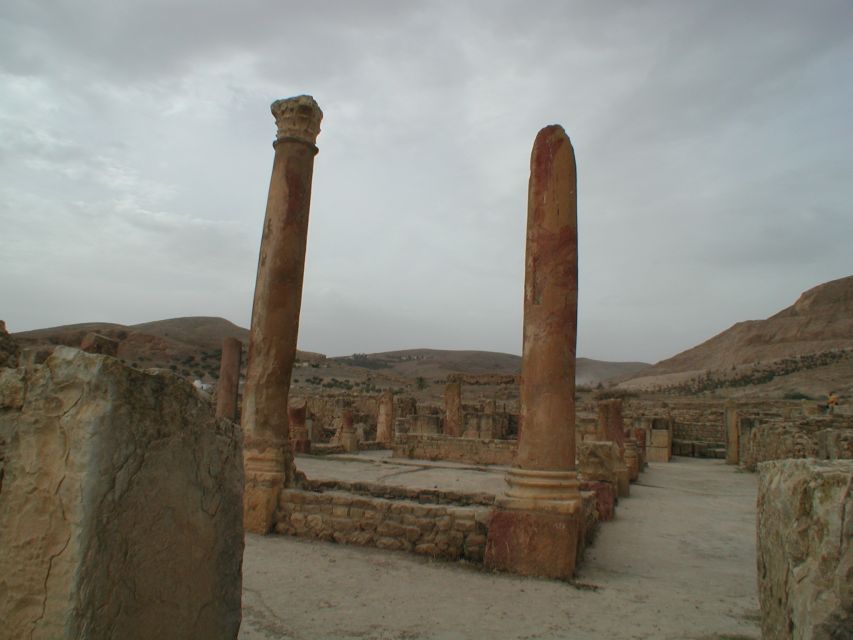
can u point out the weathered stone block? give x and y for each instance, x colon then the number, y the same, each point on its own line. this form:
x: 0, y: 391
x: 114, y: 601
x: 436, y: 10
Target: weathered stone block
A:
x: 531, y: 543
x: 121, y: 506
x: 805, y: 549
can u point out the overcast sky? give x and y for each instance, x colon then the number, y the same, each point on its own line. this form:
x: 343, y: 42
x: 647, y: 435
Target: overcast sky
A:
x: 714, y: 143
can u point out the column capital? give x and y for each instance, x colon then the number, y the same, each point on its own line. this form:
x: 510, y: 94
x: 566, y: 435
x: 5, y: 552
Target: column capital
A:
x: 297, y: 118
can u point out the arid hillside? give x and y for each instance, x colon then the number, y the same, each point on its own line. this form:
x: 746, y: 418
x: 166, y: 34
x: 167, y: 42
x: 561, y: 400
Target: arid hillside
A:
x: 809, y: 344
x: 191, y: 346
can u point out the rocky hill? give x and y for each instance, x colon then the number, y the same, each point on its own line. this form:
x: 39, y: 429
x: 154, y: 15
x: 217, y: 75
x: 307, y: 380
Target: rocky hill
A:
x: 810, y: 340
x: 191, y: 346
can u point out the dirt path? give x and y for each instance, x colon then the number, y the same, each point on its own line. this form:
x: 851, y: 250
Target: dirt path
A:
x: 677, y: 563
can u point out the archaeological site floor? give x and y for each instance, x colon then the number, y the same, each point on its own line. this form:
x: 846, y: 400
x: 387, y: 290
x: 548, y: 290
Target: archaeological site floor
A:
x: 676, y: 563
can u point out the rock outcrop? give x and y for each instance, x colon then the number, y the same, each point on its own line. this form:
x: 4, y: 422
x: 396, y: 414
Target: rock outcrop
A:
x: 8, y: 348
x: 805, y: 549
x: 120, y: 504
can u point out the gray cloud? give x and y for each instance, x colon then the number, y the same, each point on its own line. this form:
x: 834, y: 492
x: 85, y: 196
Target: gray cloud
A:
x: 712, y: 143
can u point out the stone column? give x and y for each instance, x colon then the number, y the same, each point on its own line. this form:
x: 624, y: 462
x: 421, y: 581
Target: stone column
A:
x: 385, y: 419
x: 349, y: 438
x: 732, y: 443
x: 535, y: 528
x: 275, y: 311
x: 228, y: 387
x: 453, y: 409
x: 296, y: 414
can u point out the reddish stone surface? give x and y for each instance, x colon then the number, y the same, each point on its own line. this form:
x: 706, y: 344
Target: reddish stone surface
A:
x: 275, y: 311
x: 228, y: 386
x: 299, y: 440
x: 453, y: 409
x: 547, y: 439
x: 611, y: 425
x: 605, y: 498
x: 532, y: 543
x: 385, y: 419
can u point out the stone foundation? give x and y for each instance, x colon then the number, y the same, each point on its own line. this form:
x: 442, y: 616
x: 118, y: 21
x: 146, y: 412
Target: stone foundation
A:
x: 805, y: 549
x: 473, y: 451
x: 439, y: 531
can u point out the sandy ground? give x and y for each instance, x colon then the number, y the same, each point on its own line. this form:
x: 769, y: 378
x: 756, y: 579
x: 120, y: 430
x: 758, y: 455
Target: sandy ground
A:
x: 677, y: 562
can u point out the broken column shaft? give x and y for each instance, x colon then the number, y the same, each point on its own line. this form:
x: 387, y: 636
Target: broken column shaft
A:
x: 275, y: 311
x: 535, y: 528
x: 228, y: 387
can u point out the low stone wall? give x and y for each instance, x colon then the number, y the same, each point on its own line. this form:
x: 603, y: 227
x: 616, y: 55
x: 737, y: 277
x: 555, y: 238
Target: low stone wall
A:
x: 805, y: 549
x: 826, y: 438
x: 429, y: 529
x: 422, y: 496
x: 441, y: 524
x: 436, y: 447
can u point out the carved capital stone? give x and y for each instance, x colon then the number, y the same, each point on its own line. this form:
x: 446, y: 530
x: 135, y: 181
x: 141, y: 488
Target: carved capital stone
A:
x: 297, y: 119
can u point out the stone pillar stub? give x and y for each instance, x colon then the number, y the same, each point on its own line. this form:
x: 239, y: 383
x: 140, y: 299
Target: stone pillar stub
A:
x: 385, y: 419
x: 536, y: 526
x: 297, y: 413
x: 228, y: 386
x: 349, y: 437
x: 453, y: 409
x: 275, y: 311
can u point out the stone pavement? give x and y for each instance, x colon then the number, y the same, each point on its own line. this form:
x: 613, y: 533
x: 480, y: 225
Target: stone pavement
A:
x: 677, y: 563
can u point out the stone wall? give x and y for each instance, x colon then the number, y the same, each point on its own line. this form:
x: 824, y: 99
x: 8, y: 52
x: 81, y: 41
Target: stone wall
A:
x: 429, y: 529
x: 437, y: 447
x: 823, y: 437
x: 805, y: 549
x: 433, y: 522
x: 120, y: 504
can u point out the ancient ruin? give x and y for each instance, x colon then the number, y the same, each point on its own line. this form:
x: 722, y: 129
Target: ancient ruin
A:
x: 275, y: 311
x: 228, y: 387
x: 120, y: 504
x: 537, y: 525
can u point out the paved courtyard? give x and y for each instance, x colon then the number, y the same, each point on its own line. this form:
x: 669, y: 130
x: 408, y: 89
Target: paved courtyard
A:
x: 677, y: 563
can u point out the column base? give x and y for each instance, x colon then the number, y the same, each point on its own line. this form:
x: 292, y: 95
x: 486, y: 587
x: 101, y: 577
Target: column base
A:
x: 536, y: 528
x: 533, y: 543
x: 265, y: 478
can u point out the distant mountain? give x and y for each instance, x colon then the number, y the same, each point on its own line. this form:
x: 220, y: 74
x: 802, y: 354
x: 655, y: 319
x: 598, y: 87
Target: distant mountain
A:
x: 439, y: 363
x: 192, y: 346
x: 813, y: 333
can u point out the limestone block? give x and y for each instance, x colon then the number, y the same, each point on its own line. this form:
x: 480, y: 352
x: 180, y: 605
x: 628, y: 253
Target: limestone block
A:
x: 658, y: 454
x: 599, y: 460
x: 661, y: 438
x: 805, y: 549
x: 120, y: 507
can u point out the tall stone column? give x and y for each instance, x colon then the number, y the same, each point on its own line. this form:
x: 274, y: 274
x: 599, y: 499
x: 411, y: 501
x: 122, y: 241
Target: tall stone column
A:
x: 385, y: 419
x: 275, y: 311
x: 536, y: 526
x: 453, y: 409
x: 228, y: 387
